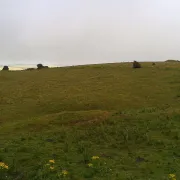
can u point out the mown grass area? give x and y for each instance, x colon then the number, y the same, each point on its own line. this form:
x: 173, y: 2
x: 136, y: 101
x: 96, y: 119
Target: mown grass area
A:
x: 129, y: 118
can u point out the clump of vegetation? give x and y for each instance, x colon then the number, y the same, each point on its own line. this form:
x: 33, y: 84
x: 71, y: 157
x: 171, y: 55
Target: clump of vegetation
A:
x: 5, y: 68
x: 172, y: 60
x: 136, y: 64
x: 40, y: 66
x: 30, y: 69
x: 153, y: 64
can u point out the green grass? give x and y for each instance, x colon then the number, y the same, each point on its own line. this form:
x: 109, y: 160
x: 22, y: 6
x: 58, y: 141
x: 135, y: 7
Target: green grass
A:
x: 130, y: 118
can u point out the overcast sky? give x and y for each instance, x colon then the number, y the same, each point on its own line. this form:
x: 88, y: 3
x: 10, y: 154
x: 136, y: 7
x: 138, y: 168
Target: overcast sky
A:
x: 71, y: 32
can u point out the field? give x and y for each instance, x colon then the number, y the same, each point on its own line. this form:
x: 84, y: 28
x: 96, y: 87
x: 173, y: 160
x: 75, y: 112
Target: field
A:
x: 104, y: 122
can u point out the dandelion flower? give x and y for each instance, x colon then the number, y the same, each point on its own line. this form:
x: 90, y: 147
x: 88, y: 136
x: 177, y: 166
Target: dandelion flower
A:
x: 95, y: 157
x: 6, y: 167
x: 3, y: 165
x: 64, y: 172
x: 172, y: 175
x: 51, y: 167
x: 90, y: 164
x: 52, y: 161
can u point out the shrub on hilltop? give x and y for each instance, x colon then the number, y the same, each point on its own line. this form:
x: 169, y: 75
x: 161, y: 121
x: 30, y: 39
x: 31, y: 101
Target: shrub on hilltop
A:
x: 5, y: 68
x: 136, y: 64
x: 40, y: 66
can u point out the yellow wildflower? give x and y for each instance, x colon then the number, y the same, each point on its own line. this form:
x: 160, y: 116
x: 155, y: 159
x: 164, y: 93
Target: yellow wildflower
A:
x: 52, y: 161
x: 3, y: 165
x: 51, y: 167
x: 6, y: 167
x: 95, y: 157
x: 64, y: 172
x: 172, y: 175
x: 90, y: 164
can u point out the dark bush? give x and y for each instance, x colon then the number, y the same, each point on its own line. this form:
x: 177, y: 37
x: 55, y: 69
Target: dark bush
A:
x: 5, y: 68
x: 30, y: 69
x: 136, y: 64
x: 172, y: 60
x: 153, y: 64
x: 39, y: 66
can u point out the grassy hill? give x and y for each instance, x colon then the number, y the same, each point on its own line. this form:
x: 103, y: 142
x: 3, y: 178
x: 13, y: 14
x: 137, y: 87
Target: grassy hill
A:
x: 129, y: 118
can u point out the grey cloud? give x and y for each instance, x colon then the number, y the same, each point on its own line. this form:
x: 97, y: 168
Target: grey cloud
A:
x: 79, y: 32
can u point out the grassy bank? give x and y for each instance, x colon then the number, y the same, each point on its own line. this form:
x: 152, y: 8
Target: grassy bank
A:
x: 127, y: 117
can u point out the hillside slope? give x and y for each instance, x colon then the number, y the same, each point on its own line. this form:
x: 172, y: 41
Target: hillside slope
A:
x: 127, y: 117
